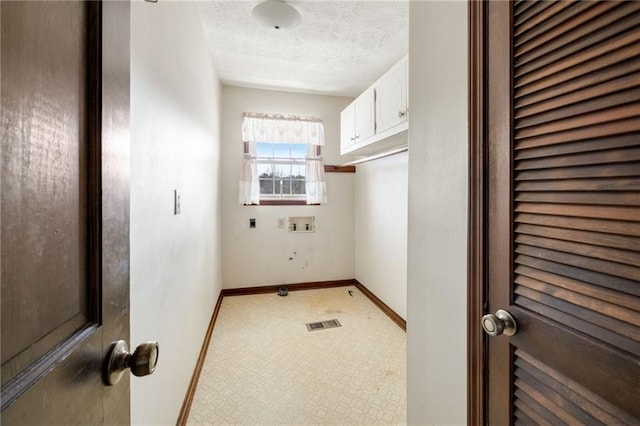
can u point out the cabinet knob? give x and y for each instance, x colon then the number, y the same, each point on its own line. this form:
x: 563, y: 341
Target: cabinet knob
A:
x: 401, y: 114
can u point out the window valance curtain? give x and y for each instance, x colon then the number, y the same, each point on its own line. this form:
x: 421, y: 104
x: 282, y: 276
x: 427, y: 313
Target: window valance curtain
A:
x: 282, y: 129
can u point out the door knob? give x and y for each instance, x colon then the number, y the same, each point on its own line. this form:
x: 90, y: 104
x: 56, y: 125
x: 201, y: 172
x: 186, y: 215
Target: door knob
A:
x: 142, y: 361
x: 500, y: 323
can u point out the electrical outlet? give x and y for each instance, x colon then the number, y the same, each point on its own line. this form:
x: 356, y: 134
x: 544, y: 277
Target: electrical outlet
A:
x: 252, y: 223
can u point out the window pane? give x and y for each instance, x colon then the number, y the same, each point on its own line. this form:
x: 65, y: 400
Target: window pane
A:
x: 298, y: 171
x: 298, y: 150
x: 298, y: 187
x: 265, y: 170
x: 266, y: 186
x: 277, y: 178
x: 282, y: 170
x: 282, y: 150
x: 264, y: 149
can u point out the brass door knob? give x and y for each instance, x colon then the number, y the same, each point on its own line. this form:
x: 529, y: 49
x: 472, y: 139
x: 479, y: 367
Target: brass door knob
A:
x: 141, y: 362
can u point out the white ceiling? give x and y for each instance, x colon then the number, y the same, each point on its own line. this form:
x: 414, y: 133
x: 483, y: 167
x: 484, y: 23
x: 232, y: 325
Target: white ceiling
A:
x: 340, y: 48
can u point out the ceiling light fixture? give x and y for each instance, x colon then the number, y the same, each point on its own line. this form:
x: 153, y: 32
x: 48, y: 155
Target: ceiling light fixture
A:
x: 276, y: 14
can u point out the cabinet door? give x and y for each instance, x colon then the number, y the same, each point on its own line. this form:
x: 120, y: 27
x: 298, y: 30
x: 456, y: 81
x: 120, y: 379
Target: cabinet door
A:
x: 391, y: 98
x: 347, y: 127
x: 364, y: 116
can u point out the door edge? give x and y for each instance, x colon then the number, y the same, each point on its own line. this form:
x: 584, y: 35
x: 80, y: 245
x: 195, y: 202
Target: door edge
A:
x: 476, y: 351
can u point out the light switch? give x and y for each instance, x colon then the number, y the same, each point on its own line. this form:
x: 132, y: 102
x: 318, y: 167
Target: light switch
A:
x: 176, y: 201
x: 281, y: 222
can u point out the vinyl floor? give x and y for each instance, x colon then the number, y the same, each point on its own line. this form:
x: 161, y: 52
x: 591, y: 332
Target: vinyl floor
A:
x: 263, y: 366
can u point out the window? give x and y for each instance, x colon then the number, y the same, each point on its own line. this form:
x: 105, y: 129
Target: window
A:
x: 281, y: 170
x: 282, y: 160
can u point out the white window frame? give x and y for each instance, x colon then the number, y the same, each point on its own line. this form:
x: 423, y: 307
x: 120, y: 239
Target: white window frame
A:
x: 283, y: 161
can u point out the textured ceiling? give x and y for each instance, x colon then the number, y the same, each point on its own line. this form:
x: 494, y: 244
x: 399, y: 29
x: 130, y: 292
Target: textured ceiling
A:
x: 340, y: 48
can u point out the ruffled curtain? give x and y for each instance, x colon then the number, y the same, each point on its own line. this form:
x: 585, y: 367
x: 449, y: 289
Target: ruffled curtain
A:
x: 282, y: 129
x: 249, y: 183
x: 316, y: 186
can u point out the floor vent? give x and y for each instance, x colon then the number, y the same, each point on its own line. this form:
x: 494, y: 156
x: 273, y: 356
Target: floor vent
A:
x: 322, y: 325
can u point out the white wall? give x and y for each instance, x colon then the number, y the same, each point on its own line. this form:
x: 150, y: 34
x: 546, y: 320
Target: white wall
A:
x: 175, y: 260
x: 381, y: 229
x: 260, y: 256
x: 437, y: 258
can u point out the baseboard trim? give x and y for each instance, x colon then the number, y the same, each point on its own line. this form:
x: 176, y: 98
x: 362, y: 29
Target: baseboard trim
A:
x: 401, y: 322
x: 292, y: 287
x: 193, y: 385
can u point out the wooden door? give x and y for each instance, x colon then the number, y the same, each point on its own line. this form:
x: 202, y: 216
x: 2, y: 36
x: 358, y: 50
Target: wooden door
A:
x: 65, y: 209
x: 563, y: 212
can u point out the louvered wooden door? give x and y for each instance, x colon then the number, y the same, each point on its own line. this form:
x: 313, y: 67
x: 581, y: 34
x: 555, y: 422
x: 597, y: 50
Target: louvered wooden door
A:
x: 563, y: 127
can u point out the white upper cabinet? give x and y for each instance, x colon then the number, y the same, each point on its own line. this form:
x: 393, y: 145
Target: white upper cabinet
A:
x: 347, y: 127
x: 357, y: 121
x: 378, y: 118
x: 365, y: 115
x: 391, y: 98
